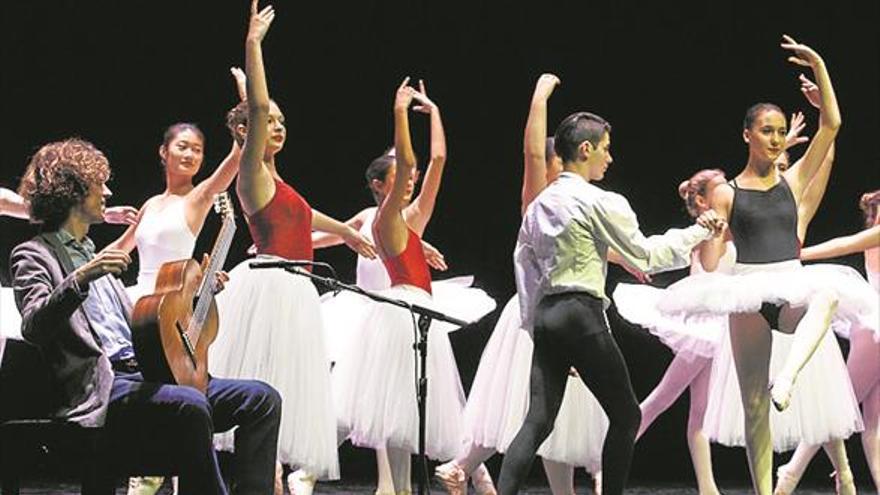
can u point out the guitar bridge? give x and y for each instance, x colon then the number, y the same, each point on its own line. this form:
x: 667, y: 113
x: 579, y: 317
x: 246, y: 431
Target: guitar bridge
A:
x: 187, y: 345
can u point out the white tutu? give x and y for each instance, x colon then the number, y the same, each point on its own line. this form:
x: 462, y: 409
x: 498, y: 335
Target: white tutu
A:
x: 499, y: 400
x: 374, y: 382
x: 345, y: 311
x: 777, y: 283
x: 823, y: 405
x: 271, y: 330
x: 692, y: 337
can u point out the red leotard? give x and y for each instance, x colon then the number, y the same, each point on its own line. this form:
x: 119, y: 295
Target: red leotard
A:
x: 284, y: 226
x: 409, y: 267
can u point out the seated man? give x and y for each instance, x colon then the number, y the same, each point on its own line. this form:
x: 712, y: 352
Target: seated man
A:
x: 79, y: 317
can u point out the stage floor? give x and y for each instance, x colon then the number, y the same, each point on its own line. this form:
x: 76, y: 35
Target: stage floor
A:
x: 45, y: 488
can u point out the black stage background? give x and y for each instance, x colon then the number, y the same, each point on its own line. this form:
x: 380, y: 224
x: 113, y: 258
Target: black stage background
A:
x: 674, y: 81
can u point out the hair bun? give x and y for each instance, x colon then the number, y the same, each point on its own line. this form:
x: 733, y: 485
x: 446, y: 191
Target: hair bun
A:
x: 683, y: 189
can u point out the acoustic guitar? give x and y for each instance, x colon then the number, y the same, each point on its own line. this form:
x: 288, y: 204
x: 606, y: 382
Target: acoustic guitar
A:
x: 173, y: 327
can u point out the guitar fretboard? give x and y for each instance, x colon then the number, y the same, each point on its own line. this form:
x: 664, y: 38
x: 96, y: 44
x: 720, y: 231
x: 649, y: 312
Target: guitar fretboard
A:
x: 205, y: 293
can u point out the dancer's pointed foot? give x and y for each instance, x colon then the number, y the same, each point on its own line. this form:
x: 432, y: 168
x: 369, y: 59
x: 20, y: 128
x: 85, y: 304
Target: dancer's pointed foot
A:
x: 301, y: 482
x: 786, y: 482
x: 844, y: 484
x: 483, y: 481
x: 780, y: 392
x: 597, y: 483
x: 452, y: 477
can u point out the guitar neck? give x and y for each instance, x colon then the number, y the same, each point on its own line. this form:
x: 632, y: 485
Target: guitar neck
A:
x: 205, y: 294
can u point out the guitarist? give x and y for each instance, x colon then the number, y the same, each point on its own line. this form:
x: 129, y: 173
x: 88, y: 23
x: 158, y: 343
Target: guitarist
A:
x: 79, y: 318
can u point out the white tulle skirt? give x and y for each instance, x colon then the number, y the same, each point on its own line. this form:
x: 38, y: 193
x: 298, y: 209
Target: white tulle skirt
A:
x: 344, y: 312
x: 789, y: 282
x: 374, y: 381
x: 271, y: 330
x: 823, y: 405
x: 499, y: 401
x: 690, y: 338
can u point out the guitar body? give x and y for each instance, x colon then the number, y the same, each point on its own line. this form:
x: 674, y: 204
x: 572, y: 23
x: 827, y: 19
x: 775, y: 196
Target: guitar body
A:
x: 160, y: 321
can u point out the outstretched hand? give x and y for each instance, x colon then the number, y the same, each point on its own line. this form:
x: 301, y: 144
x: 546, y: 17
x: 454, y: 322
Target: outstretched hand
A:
x: 121, y: 215
x: 240, y: 82
x: 260, y: 21
x: 425, y: 105
x: 795, y: 126
x: 810, y: 91
x: 545, y: 86
x: 803, y: 54
x: 404, y: 95
x: 359, y: 244
x: 434, y: 257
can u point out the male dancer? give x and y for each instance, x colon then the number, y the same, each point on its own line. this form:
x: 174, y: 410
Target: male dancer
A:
x: 560, y: 263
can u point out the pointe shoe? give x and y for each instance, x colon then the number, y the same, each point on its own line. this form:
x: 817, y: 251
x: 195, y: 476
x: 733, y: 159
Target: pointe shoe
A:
x: 844, y: 484
x: 597, y: 483
x: 452, y: 477
x: 482, y: 481
x: 785, y: 481
x: 780, y: 392
x: 301, y: 482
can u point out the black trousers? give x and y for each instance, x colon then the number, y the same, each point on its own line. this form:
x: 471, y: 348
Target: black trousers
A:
x: 154, y: 424
x: 571, y: 330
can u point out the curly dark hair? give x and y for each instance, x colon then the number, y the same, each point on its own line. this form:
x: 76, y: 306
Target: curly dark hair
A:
x: 58, y: 177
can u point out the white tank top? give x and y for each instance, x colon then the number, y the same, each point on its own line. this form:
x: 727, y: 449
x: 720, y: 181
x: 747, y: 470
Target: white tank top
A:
x: 161, y: 236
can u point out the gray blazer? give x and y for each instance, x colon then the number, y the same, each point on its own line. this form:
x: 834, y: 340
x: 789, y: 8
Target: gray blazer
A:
x: 54, y: 321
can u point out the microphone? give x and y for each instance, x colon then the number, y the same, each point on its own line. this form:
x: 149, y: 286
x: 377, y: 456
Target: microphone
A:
x: 281, y: 264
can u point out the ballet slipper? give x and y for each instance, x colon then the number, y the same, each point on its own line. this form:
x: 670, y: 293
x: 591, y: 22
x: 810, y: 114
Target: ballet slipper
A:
x: 785, y: 481
x: 597, y: 483
x: 482, y: 481
x: 301, y: 482
x: 844, y: 484
x: 452, y: 477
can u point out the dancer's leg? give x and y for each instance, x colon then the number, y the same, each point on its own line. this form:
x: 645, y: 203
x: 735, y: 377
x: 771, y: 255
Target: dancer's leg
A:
x: 698, y: 442
x: 836, y: 452
x: 473, y: 458
x: 807, y: 336
x: 572, y: 329
x: 750, y: 343
x: 401, y: 469
x: 547, y: 386
x: 863, y: 363
x: 560, y: 477
x: 675, y: 380
x: 603, y: 369
x: 871, y: 435
x: 385, y: 484
x: 789, y: 475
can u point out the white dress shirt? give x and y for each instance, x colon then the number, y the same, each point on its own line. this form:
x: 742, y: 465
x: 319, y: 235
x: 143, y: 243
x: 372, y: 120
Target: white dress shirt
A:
x: 565, y: 235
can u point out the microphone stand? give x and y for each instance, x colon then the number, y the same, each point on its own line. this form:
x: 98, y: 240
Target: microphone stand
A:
x: 426, y: 316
